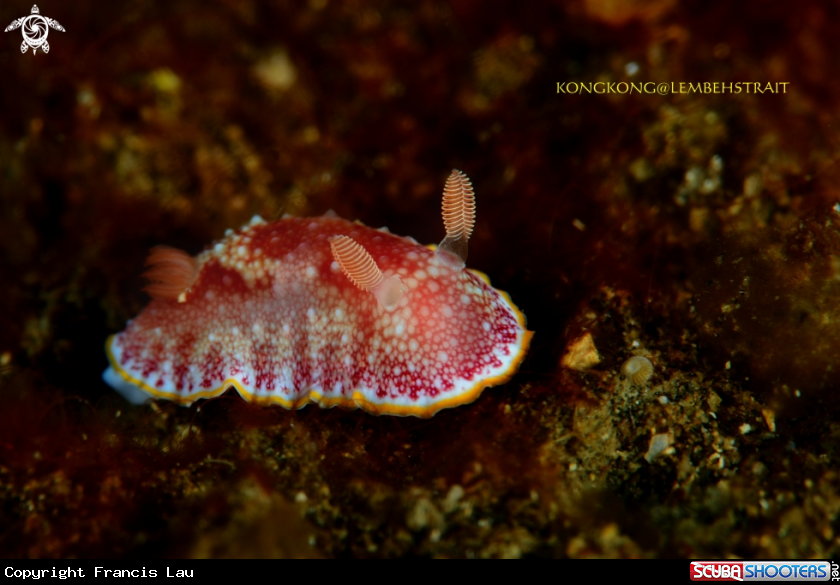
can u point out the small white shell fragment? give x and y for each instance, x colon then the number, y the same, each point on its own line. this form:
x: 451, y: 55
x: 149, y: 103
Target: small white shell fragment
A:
x: 637, y: 369
x: 658, y: 445
x: 581, y: 354
x: 745, y: 428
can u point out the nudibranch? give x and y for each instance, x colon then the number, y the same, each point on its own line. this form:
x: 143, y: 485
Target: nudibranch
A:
x: 323, y: 310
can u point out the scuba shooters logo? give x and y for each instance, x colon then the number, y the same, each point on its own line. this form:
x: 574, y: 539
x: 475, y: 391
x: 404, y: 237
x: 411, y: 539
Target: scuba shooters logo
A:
x: 717, y: 571
x: 35, y: 29
x: 762, y: 571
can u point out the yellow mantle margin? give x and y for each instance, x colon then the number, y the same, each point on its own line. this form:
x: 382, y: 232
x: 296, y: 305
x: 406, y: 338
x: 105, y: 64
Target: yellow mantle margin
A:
x: 357, y: 400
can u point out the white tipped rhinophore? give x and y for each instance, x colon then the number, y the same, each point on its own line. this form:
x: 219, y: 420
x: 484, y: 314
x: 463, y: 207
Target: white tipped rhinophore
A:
x: 458, y: 214
x: 361, y: 268
x: 131, y: 392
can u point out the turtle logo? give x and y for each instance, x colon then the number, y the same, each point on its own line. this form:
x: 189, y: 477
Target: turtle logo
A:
x: 35, y: 29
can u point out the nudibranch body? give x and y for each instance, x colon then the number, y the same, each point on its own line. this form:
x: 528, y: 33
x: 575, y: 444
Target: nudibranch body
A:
x: 322, y: 310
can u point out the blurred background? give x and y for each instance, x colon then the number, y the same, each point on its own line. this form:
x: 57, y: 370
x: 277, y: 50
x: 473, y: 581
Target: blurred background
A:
x: 698, y: 230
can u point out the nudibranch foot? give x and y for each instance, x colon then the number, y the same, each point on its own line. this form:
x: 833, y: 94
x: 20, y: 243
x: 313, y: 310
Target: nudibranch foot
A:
x: 130, y: 390
x: 322, y: 310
